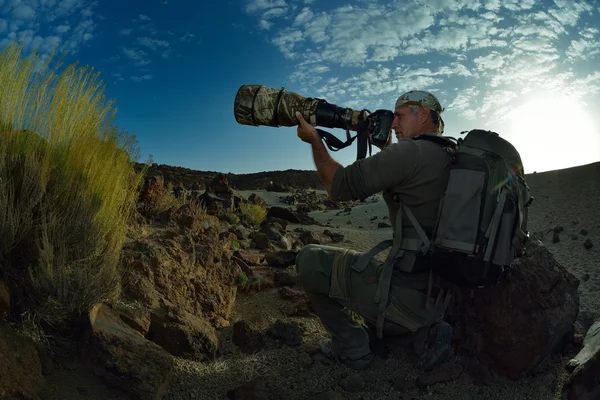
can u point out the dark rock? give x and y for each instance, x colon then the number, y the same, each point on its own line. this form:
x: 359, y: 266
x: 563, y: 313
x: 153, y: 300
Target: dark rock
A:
x: 249, y: 258
x: 281, y: 259
x: 555, y: 238
x: 290, y: 333
x: 588, y: 244
x: 519, y: 339
x: 260, y: 240
x: 583, y: 232
x: 308, y: 237
x: 383, y: 225
x: 558, y: 229
x: 123, y: 357
x: 585, y: 277
x: 20, y: 366
x: 334, y: 236
x: 584, y: 383
x: 135, y: 316
x: 248, y: 336
x: 185, y: 335
x: 284, y: 278
x: 442, y: 373
x: 256, y: 199
x: 283, y: 213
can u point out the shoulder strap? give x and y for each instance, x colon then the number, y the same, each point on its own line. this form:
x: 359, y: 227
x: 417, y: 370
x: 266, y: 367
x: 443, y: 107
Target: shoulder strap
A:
x: 446, y: 141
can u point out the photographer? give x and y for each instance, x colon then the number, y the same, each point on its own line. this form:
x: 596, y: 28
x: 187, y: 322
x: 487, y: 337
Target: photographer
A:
x: 338, y: 280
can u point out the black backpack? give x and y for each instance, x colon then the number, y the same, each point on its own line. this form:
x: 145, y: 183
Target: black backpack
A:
x: 482, y: 224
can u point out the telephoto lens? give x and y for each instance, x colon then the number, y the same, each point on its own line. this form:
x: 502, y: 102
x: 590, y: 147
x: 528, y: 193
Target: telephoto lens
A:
x: 258, y: 105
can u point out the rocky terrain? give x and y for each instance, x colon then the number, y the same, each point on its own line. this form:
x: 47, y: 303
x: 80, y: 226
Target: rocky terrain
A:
x: 278, y: 181
x: 210, y: 308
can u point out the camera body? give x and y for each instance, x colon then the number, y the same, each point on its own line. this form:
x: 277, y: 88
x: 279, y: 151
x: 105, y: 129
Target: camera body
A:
x: 258, y: 105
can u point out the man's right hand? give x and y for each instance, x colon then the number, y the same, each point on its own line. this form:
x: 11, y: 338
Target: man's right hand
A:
x: 389, y: 142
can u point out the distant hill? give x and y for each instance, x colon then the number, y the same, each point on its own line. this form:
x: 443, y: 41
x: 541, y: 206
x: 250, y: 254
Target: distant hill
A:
x: 197, y: 180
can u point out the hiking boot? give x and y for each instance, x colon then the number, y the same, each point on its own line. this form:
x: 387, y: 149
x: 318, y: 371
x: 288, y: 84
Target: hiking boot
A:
x: 325, y: 346
x: 437, y: 348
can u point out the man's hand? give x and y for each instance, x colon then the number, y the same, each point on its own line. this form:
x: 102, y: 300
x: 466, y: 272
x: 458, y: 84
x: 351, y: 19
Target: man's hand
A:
x: 306, y: 131
x: 389, y: 142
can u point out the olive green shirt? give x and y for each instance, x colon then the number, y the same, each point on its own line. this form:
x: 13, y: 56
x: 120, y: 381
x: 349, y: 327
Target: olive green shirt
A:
x: 413, y: 169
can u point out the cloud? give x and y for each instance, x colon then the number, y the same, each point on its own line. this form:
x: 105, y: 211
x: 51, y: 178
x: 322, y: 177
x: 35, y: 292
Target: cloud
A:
x: 498, y: 51
x: 139, y: 57
x: 125, y: 32
x: 142, y: 78
x: 152, y: 43
x: 254, y: 6
x: 188, y: 37
x: 24, y: 12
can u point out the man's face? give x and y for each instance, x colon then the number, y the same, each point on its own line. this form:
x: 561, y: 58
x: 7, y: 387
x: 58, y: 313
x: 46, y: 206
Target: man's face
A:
x: 405, y: 123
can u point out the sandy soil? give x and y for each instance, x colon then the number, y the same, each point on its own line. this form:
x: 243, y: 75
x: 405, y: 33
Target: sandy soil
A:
x: 567, y: 198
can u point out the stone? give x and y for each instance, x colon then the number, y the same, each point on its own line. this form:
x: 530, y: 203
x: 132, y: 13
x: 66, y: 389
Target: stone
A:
x: 383, y: 225
x: 283, y: 213
x: 260, y: 240
x: 584, y: 382
x: 123, y: 357
x: 250, y: 258
x: 248, y: 336
x: 135, y: 316
x: 20, y: 366
x: 289, y: 333
x: 442, y: 373
x: 185, y: 335
x: 520, y: 339
x: 588, y: 244
x: 281, y: 259
x: 308, y: 237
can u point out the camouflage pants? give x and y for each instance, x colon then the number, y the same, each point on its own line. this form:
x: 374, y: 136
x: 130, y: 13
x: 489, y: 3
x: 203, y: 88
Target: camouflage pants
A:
x: 335, y: 289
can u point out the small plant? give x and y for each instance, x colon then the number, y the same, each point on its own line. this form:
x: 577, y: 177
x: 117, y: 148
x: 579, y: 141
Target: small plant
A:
x: 243, y: 279
x: 322, y: 207
x: 234, y: 220
x: 253, y: 212
x: 235, y: 244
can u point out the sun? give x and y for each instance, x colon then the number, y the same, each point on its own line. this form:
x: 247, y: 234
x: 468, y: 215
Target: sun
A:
x: 554, y: 133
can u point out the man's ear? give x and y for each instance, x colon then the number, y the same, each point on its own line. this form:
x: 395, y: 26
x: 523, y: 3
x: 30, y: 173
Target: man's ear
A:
x: 423, y: 115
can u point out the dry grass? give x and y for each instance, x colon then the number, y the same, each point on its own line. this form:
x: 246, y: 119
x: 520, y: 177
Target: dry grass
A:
x: 254, y: 213
x: 67, y: 186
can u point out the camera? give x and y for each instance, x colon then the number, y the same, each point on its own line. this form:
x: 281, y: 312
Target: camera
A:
x: 258, y: 105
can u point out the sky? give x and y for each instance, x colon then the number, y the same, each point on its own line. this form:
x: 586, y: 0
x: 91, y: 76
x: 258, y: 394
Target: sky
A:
x: 526, y: 69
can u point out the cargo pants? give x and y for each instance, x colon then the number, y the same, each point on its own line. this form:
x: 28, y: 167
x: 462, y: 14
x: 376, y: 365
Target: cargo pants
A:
x: 335, y: 289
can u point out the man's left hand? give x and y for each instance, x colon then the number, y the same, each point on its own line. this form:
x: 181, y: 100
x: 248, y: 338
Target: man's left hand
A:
x: 306, y: 131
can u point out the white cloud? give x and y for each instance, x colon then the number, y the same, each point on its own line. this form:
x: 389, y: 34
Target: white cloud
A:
x: 143, y: 17
x: 62, y: 28
x: 125, y: 32
x: 152, y: 43
x: 188, y: 37
x: 264, y: 24
x: 140, y: 57
x: 24, y: 12
x: 262, y: 5
x: 142, y: 78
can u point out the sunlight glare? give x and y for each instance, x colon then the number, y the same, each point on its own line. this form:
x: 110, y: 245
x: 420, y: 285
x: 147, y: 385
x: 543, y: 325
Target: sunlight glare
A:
x: 554, y: 133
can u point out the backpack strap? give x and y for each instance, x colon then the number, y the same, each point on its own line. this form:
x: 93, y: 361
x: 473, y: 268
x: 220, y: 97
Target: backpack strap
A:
x: 385, y: 280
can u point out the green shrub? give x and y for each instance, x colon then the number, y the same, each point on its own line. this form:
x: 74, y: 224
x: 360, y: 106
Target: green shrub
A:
x: 68, y: 187
x: 254, y: 213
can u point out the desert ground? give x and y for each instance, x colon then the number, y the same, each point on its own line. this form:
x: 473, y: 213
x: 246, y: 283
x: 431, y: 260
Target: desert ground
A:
x: 567, y: 198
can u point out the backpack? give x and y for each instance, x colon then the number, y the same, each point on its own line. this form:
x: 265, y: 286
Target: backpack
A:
x: 482, y: 222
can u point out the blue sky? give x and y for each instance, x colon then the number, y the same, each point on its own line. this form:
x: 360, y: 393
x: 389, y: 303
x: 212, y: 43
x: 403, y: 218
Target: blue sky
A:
x: 527, y: 69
